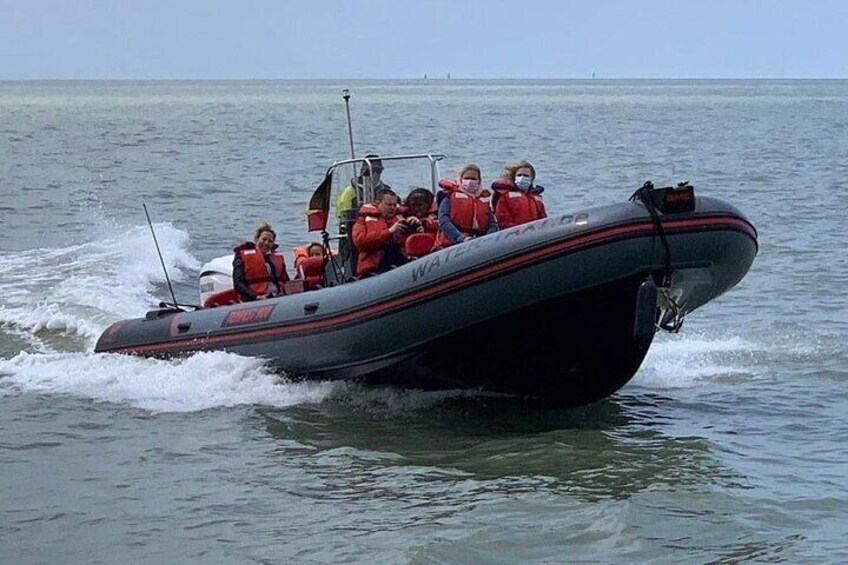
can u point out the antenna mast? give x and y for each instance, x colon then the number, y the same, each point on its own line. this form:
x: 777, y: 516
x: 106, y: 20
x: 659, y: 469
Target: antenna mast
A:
x: 346, y: 96
x: 162, y: 261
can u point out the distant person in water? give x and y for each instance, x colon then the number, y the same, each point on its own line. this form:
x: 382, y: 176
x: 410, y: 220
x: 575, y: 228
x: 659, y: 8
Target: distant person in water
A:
x: 369, y: 181
x: 464, y: 211
x: 259, y: 271
x: 517, y: 199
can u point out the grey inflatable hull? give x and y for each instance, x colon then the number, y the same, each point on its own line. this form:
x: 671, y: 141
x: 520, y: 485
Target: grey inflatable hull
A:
x: 549, y: 309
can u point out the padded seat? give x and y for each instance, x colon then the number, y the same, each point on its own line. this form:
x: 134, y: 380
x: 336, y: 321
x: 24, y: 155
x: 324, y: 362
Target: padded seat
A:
x: 223, y: 298
x: 419, y: 244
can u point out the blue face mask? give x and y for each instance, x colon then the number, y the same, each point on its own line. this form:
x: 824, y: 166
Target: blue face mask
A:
x: 523, y: 182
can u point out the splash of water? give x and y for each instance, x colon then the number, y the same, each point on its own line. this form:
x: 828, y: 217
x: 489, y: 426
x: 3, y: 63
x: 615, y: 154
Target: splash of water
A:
x: 199, y: 382
x: 81, y: 289
x: 687, y: 361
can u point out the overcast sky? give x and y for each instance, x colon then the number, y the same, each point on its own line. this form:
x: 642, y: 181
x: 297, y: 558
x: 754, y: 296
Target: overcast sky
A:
x: 173, y: 39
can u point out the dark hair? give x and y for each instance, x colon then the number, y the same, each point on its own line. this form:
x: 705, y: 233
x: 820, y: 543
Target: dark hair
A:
x: 314, y: 244
x: 376, y: 164
x: 419, y: 195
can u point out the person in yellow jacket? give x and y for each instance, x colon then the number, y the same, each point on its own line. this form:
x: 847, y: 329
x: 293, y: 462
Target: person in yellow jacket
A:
x: 352, y: 197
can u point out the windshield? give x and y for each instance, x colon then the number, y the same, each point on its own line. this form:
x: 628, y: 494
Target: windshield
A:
x: 401, y: 173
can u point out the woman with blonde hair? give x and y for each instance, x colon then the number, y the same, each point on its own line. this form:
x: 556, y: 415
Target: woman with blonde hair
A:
x: 517, y: 199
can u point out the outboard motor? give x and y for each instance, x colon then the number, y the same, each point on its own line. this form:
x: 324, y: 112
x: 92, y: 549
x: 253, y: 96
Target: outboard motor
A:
x: 216, y: 276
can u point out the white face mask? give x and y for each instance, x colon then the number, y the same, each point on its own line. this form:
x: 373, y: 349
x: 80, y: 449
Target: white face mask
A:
x: 523, y: 182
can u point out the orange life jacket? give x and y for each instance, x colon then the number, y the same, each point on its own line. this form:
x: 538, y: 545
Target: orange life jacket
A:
x: 371, y: 236
x: 311, y: 272
x: 256, y: 272
x: 299, y: 255
x: 470, y: 214
x: 514, y: 207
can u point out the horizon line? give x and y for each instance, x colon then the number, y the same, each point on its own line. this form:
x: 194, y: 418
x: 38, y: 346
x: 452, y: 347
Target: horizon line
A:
x: 396, y: 79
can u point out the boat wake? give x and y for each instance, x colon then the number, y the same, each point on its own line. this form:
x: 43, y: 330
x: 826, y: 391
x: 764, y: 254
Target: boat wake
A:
x: 66, y: 297
x: 682, y: 361
x: 698, y: 358
x: 219, y: 380
x: 199, y: 382
x: 51, y: 315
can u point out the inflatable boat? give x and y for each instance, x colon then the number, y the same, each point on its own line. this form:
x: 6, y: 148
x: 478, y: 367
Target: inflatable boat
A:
x: 562, y: 309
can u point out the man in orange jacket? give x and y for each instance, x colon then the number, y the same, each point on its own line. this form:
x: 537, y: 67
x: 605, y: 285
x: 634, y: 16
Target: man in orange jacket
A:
x: 378, y: 234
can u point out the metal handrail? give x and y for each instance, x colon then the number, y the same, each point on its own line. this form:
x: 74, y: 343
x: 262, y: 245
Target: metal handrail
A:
x: 430, y: 156
x: 433, y: 158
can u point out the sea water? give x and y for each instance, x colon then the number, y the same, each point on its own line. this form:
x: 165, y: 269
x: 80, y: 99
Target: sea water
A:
x: 727, y: 446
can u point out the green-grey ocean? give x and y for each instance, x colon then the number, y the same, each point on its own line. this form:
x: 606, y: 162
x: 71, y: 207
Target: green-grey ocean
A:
x: 728, y: 446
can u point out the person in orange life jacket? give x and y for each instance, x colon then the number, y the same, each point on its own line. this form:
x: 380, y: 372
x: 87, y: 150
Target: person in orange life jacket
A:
x: 419, y: 215
x: 464, y: 211
x: 517, y: 199
x: 419, y: 205
x: 258, y: 270
x: 313, y: 249
x: 377, y: 235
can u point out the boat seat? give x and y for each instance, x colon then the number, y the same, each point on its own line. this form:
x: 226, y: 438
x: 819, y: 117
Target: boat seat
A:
x: 311, y: 270
x: 223, y: 298
x: 419, y: 244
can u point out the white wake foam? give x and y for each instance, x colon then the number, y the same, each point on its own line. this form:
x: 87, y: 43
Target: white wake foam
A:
x: 48, y: 317
x: 81, y: 289
x: 67, y: 296
x: 199, y: 382
x: 681, y: 360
